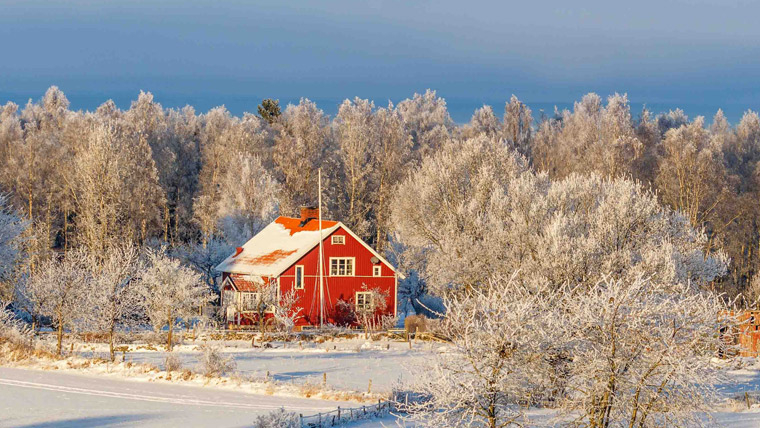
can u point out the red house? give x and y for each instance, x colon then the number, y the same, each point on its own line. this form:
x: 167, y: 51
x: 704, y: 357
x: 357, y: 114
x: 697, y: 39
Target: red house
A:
x: 285, y: 254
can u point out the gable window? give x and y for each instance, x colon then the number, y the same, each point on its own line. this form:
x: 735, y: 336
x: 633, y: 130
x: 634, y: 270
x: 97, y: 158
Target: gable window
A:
x: 363, y: 300
x: 299, y: 278
x: 341, y: 266
x: 377, y: 270
x: 338, y: 239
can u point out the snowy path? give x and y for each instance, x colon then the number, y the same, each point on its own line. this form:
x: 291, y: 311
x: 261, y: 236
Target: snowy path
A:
x: 53, y: 399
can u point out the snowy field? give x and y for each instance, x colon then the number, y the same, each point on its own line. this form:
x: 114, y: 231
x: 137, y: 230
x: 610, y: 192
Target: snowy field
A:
x: 349, y: 364
x: 54, y: 399
x: 63, y: 398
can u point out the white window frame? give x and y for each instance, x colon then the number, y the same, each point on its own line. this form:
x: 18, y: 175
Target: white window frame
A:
x: 345, y: 259
x: 242, y: 300
x: 377, y: 270
x: 364, y: 305
x: 341, y: 241
x: 296, y: 285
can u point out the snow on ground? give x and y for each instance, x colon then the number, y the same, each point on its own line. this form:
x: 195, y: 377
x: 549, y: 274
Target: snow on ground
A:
x: 77, y: 400
x: 49, y: 398
x: 348, y: 363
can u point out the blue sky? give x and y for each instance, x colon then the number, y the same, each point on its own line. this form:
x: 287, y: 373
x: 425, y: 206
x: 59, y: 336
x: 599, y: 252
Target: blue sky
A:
x: 698, y: 54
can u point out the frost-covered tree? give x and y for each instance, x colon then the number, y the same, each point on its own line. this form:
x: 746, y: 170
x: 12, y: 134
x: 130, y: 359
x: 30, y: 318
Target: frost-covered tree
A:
x: 483, y: 121
x: 476, y: 211
x: 518, y: 125
x: 11, y: 229
x: 170, y: 293
x: 117, y: 194
x: 229, y: 146
x: 114, y: 301
x: 498, y: 357
x: 391, y: 158
x: 427, y: 120
x: 692, y: 177
x: 62, y: 285
x: 640, y: 352
x: 356, y: 138
x: 248, y: 199
x: 205, y: 259
x: 300, y: 149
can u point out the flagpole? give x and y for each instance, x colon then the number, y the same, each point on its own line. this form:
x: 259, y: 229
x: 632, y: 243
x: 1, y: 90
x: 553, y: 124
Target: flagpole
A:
x: 321, y: 262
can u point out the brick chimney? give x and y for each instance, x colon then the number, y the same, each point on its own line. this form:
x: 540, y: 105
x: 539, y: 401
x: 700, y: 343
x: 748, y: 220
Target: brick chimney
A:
x: 308, y: 213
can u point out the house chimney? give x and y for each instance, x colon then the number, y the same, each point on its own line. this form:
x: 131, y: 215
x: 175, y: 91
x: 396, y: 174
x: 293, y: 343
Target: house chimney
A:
x: 309, y: 213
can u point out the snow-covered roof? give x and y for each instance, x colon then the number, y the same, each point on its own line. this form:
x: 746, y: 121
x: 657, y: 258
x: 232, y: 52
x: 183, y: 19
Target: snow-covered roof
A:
x: 277, y: 247
x: 282, y: 243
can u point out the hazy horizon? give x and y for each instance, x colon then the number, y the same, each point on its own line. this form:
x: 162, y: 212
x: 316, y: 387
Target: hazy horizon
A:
x: 697, y: 56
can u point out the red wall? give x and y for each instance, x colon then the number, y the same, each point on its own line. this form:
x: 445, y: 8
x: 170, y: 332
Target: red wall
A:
x: 344, y: 287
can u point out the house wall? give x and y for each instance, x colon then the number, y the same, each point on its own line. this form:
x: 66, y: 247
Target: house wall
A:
x: 338, y: 288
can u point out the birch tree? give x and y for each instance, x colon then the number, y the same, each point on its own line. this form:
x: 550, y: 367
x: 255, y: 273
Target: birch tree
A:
x: 62, y: 284
x: 171, y: 292
x: 114, y: 301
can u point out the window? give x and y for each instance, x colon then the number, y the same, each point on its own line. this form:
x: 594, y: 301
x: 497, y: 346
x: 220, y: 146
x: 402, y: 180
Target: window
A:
x: 377, y: 270
x: 341, y: 266
x: 248, y: 301
x: 363, y: 300
x: 299, y: 277
x: 338, y: 239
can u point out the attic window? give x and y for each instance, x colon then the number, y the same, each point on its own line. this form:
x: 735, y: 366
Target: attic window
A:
x: 338, y: 240
x: 376, y: 270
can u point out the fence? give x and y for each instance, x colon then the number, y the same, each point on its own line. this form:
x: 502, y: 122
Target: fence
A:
x: 342, y: 416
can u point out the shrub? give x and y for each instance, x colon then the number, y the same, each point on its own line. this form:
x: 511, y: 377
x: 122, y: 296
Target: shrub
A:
x: 13, y: 330
x: 278, y: 418
x: 172, y: 362
x: 213, y: 362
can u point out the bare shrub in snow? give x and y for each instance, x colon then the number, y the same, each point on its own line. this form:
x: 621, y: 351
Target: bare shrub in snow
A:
x: 213, y: 363
x: 278, y: 418
x: 172, y: 363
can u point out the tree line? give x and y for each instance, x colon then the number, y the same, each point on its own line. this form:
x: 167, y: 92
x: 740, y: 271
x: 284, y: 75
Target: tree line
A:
x: 152, y: 175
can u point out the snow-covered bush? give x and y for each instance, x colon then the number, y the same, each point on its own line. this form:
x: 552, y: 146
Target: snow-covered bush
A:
x: 213, y: 363
x: 278, y: 418
x: 12, y: 330
x: 172, y: 363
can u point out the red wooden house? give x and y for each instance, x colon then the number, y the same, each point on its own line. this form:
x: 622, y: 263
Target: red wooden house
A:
x: 286, y: 253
